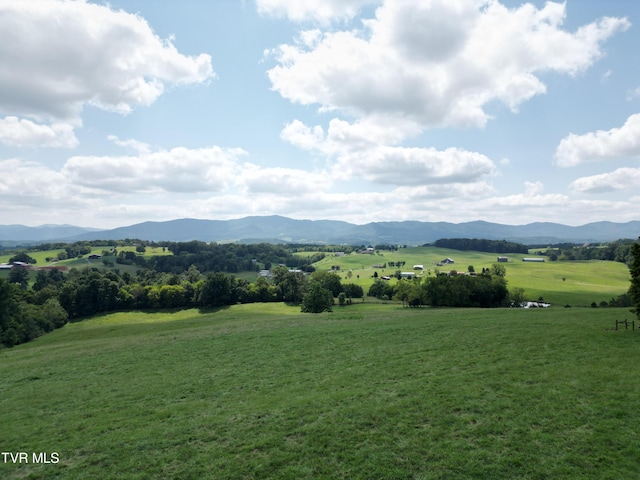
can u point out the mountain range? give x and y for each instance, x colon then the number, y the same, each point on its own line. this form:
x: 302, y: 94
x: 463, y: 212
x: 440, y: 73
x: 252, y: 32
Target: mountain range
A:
x: 278, y: 229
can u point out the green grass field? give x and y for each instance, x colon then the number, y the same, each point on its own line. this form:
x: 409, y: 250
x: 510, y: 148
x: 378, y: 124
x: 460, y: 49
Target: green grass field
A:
x: 368, y: 391
x: 575, y: 283
x: 584, y: 281
x: 41, y: 256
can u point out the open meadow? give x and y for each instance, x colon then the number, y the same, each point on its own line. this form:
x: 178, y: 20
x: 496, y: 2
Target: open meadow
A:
x: 575, y: 283
x: 367, y: 391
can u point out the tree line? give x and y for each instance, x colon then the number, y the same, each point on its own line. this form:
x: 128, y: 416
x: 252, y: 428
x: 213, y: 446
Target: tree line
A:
x: 481, y: 245
x: 56, y: 298
x: 487, y: 290
x: 618, y: 251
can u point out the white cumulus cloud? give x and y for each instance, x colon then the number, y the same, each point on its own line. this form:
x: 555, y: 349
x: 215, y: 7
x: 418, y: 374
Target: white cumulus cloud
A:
x: 177, y: 170
x: 284, y: 182
x: 416, y: 166
x: 16, y: 132
x: 31, y: 183
x: 69, y: 53
x: 362, y: 150
x: 600, y: 145
x: 619, y: 179
x: 437, y: 62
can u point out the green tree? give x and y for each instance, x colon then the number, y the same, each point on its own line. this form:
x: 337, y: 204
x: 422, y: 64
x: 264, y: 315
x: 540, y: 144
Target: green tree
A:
x: 193, y: 274
x: 20, y: 276
x: 22, y: 257
x: 380, y: 289
x: 171, y: 296
x: 317, y: 299
x: 403, y: 291
x: 634, y: 270
x: 352, y: 290
x: 498, y: 270
x: 217, y: 289
x: 516, y: 297
x: 261, y: 291
x: 290, y: 285
x: 329, y: 281
x: 342, y: 299
x: 54, y: 313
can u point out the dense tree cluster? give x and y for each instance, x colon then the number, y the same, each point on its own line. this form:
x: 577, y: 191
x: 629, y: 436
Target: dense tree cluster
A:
x: 481, y: 245
x: 486, y: 290
x: 618, y: 251
x: 77, y: 250
x: 230, y: 258
x: 23, y: 318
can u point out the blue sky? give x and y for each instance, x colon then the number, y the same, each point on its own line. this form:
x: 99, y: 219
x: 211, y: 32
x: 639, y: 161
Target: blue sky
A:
x: 432, y: 110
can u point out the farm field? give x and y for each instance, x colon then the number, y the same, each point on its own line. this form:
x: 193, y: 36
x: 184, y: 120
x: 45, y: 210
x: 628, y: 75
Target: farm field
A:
x: 41, y: 256
x: 367, y: 391
x: 41, y: 259
x: 575, y: 283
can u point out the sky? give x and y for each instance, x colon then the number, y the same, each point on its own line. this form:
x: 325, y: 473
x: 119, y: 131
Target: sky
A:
x: 115, y: 113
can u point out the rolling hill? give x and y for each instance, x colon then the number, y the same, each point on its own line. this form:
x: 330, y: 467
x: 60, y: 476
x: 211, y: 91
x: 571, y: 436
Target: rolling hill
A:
x: 278, y: 229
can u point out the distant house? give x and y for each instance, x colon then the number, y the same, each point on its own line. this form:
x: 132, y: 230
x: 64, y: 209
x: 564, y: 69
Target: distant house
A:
x: 20, y: 265
x: 407, y: 274
x: 537, y: 260
x: 447, y: 261
x: 339, y: 254
x: 418, y: 267
x: 5, y: 266
x: 367, y: 251
x: 265, y: 273
x: 385, y: 277
x: 94, y: 256
x: 503, y: 259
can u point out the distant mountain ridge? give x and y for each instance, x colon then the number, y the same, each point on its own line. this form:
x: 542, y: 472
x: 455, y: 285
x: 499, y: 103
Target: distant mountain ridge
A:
x: 42, y: 233
x: 278, y: 229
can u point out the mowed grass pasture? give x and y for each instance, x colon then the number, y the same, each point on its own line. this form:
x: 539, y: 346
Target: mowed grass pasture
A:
x: 367, y: 391
x: 575, y: 283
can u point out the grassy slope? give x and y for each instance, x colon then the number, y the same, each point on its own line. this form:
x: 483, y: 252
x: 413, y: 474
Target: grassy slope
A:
x: 585, y: 282
x: 41, y: 256
x: 83, y: 262
x: 369, y: 391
